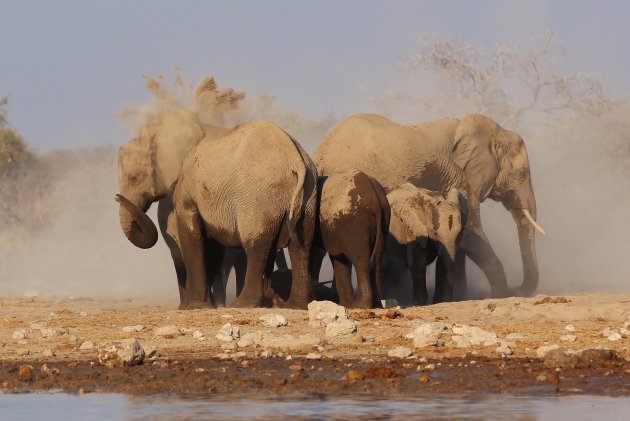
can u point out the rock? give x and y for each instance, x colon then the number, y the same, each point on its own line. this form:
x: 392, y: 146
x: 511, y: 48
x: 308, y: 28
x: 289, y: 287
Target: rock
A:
x: 135, y: 328
x: 321, y: 313
x: 505, y: 348
x: 568, y: 338
x: 83, y: 314
x: 127, y: 352
x: 476, y: 335
x: 353, y: 376
x: 87, y: 345
x: 48, y: 353
x: 150, y: 349
x: 25, y: 372
x: 400, y: 352
x: 167, y: 332
x: 229, y: 346
x: 48, y: 332
x: 38, y: 325
x: 429, y: 367
x: 461, y: 341
x: 341, y: 329
x: 313, y: 356
x: 560, y: 358
x: 198, y: 334
x: 73, y: 339
x: 22, y: 341
x: 48, y: 371
x: 598, y: 355
x: 23, y: 352
x: 424, y: 378
x: 289, y: 341
x: 245, y: 342
x: 52, y: 315
x: 274, y: 320
x: 427, y: 334
x: 266, y: 354
x: 615, y: 336
x: 569, y: 328
x: 543, y: 350
x: 19, y: 334
x: 516, y: 336
x: 227, y: 333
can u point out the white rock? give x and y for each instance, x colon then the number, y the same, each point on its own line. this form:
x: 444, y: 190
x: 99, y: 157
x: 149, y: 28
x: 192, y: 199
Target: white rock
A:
x: 461, y: 341
x: 400, y: 352
x: 427, y: 334
x: 476, y: 335
x: 48, y: 353
x: 227, y: 316
x: 228, y: 333
x: 266, y: 354
x: 135, y: 328
x: 167, y: 331
x: 320, y: 313
x: 83, y: 314
x: 274, y: 320
x: 543, y: 350
x: 569, y: 328
x: 87, y: 345
x: 505, y: 348
x: 19, y: 334
x: 150, y: 349
x: 313, y: 356
x: 615, y: 336
x: 568, y: 338
x: 198, y: 334
x: 48, y: 332
x: 341, y: 329
x: 73, y: 339
x: 127, y: 352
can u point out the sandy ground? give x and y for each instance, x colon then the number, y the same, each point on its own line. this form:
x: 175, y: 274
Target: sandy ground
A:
x: 35, y: 332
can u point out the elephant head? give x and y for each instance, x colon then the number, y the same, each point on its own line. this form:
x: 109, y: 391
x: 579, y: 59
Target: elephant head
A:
x: 421, y: 215
x: 496, y: 165
x: 147, y: 167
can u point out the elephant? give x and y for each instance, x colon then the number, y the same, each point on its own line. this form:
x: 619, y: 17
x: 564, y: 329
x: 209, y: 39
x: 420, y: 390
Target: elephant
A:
x: 424, y: 226
x: 148, y: 166
x: 474, y: 155
x: 353, y: 223
x: 254, y: 188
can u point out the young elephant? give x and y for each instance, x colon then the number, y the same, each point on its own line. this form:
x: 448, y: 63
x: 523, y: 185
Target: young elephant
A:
x: 254, y: 188
x: 353, y: 222
x: 424, y: 226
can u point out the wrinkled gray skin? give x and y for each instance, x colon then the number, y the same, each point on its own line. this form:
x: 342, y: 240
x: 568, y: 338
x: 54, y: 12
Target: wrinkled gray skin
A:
x: 474, y: 155
x: 254, y: 188
x: 424, y: 226
x: 147, y: 167
x: 353, y: 221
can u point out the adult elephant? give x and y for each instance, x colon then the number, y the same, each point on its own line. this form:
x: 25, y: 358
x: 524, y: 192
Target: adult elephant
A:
x: 147, y: 167
x: 256, y: 189
x: 474, y: 155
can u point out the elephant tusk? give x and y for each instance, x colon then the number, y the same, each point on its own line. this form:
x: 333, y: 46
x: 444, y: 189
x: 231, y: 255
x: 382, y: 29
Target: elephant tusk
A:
x: 531, y: 221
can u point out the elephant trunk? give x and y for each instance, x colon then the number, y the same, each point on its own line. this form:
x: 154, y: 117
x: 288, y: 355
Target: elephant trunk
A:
x: 528, y: 253
x: 137, y: 226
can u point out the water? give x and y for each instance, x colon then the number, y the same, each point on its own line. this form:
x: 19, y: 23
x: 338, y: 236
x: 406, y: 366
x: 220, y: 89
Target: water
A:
x: 61, y: 406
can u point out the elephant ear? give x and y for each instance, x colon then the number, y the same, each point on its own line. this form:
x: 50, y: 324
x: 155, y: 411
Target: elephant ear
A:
x: 473, y: 152
x: 413, y: 219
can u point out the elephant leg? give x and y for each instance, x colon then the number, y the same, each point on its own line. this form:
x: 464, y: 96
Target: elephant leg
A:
x: 219, y: 287
x: 419, y: 274
x: 197, y: 291
x: 252, y: 294
x: 240, y: 265
x: 365, y: 294
x: 315, y: 262
x: 342, y: 268
x: 281, y: 260
x: 459, y: 282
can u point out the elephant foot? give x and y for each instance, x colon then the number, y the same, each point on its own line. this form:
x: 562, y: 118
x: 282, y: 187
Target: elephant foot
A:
x: 243, y: 302
x: 195, y: 305
x: 296, y: 303
x: 361, y: 304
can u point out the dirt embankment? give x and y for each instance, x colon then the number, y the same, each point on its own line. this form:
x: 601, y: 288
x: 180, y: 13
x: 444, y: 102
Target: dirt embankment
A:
x: 506, y: 345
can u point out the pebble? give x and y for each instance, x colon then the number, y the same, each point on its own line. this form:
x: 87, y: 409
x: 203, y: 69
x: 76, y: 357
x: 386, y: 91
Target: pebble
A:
x: 568, y: 338
x: 505, y: 348
x: 48, y: 353
x: 615, y: 336
x: 127, y: 352
x: 198, y: 334
x: 25, y: 372
x: 313, y: 356
x: 228, y: 333
x: 168, y: 332
x: 424, y: 378
x: 266, y: 354
x: 543, y: 350
x: 19, y: 334
x: 429, y: 367
x: 341, y: 329
x: 87, y: 345
x: 400, y: 352
x: 569, y: 328
x: 23, y: 352
x: 560, y: 358
x: 229, y: 346
x: 427, y: 334
x: 274, y: 320
x: 245, y: 342
x: 135, y: 328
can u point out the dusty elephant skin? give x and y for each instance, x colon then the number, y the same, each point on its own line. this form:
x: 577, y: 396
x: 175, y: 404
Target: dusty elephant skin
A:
x: 428, y: 225
x: 255, y: 189
x: 353, y: 221
x: 474, y: 155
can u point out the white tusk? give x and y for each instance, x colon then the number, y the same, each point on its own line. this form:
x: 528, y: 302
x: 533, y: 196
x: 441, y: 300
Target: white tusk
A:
x: 531, y: 221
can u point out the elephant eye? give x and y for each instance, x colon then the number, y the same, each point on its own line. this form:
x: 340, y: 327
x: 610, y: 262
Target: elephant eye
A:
x: 135, y: 179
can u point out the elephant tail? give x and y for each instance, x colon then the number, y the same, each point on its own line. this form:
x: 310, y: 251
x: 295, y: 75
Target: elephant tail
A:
x: 296, y: 202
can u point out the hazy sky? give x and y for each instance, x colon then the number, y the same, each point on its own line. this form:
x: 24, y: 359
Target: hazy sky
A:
x: 68, y: 66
